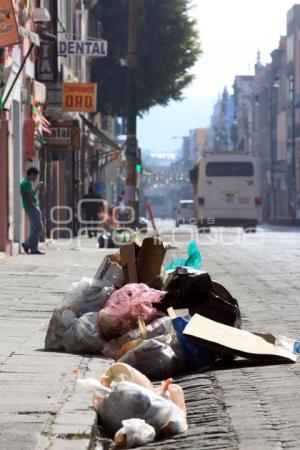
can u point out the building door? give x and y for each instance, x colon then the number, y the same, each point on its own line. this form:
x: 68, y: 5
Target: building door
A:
x: 4, y: 185
x: 17, y: 173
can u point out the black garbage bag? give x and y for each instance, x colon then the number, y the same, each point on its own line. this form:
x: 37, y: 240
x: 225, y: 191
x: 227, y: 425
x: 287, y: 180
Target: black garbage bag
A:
x: 196, y: 291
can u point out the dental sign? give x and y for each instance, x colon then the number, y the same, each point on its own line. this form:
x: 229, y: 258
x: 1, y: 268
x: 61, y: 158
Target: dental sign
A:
x: 82, y: 48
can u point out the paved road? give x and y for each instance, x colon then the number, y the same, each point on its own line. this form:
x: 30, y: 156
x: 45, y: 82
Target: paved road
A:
x: 242, y: 407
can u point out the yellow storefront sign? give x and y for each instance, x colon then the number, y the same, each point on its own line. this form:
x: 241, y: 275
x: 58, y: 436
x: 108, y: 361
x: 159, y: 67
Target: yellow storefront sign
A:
x: 79, y: 97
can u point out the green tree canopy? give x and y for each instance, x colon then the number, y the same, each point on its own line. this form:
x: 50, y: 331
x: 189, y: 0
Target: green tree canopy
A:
x: 168, y: 47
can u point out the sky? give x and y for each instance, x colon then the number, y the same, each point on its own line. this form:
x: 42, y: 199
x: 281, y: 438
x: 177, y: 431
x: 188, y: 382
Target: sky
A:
x: 231, y: 33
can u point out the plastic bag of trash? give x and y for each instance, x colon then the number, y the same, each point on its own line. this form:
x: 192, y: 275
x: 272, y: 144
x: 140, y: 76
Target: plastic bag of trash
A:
x: 116, y: 348
x: 172, y: 392
x: 83, y: 336
x: 193, y: 260
x: 87, y: 295
x: 134, y: 433
x: 125, y: 305
x: 197, y: 356
x: 123, y: 372
x: 155, y: 359
x: 196, y: 291
x: 119, y: 372
x: 60, y: 321
x: 128, y: 400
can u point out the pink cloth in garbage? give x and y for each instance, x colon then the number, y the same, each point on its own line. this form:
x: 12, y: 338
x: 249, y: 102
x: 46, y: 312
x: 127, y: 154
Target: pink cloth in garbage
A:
x: 125, y: 306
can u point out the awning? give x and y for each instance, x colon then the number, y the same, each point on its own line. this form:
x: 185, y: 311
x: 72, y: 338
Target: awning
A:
x: 14, y: 76
x: 99, y: 133
x: 33, y: 37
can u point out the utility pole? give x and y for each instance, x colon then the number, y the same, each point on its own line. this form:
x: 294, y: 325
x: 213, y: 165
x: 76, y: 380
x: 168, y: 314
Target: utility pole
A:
x: 132, y: 152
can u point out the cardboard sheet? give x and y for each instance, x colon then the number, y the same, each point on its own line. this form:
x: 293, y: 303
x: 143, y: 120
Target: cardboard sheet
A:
x: 142, y: 263
x: 230, y: 340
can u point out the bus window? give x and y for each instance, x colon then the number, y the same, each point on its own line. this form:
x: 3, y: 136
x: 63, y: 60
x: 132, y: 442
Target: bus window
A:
x: 229, y: 169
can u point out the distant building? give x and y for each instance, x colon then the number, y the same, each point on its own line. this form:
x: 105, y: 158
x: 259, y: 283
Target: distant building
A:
x: 197, y: 145
x: 262, y: 132
x: 293, y: 118
x: 219, y: 134
x: 243, y: 88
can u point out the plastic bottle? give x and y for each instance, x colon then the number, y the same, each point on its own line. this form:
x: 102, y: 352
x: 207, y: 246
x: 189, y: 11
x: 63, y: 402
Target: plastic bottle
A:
x: 289, y: 344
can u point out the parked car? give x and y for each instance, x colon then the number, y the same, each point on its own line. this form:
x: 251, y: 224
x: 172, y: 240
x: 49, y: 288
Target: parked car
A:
x: 185, y: 212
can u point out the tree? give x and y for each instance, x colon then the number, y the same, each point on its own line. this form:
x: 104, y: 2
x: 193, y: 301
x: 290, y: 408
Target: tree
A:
x: 168, y: 47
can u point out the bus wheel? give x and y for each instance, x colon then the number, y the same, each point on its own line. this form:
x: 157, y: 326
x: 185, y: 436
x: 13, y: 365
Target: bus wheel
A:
x: 203, y: 230
x: 250, y: 230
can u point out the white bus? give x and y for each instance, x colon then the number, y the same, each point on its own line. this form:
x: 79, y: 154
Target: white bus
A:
x: 227, y: 191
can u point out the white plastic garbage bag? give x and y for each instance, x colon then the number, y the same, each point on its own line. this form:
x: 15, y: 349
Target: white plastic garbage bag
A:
x: 87, y: 295
x: 60, y: 321
x: 128, y: 400
x: 134, y: 432
x: 83, y: 336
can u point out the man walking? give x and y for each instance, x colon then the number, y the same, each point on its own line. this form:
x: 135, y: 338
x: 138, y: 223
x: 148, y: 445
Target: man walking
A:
x: 31, y: 206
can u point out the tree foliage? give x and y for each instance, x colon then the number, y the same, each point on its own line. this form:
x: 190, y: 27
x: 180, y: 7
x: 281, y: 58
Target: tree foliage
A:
x: 168, y: 47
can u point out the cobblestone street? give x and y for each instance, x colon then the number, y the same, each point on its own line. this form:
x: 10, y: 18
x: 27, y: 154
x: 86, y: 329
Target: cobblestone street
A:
x: 245, y: 406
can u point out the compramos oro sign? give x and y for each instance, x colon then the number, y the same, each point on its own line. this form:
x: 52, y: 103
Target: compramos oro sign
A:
x: 79, y: 97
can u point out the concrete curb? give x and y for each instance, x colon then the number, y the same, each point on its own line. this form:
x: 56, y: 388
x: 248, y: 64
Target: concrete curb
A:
x: 73, y: 424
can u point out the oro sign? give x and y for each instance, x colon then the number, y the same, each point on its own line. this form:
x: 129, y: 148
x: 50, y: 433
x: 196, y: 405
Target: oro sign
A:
x: 79, y: 97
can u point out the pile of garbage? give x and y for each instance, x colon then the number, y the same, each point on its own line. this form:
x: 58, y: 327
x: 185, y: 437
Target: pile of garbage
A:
x: 132, y: 410
x: 156, y: 324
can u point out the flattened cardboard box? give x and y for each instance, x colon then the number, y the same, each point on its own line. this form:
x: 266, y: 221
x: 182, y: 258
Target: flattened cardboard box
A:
x: 234, y: 341
x: 142, y: 262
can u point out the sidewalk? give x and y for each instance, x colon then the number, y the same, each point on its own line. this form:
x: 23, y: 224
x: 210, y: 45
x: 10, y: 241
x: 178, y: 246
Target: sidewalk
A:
x: 39, y: 405
x: 245, y: 406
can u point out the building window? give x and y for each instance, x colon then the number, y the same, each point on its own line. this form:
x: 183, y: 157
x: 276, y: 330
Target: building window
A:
x: 290, y: 48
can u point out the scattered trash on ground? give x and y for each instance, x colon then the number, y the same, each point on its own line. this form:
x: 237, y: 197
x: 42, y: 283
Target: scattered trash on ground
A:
x: 126, y: 395
x: 155, y: 324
